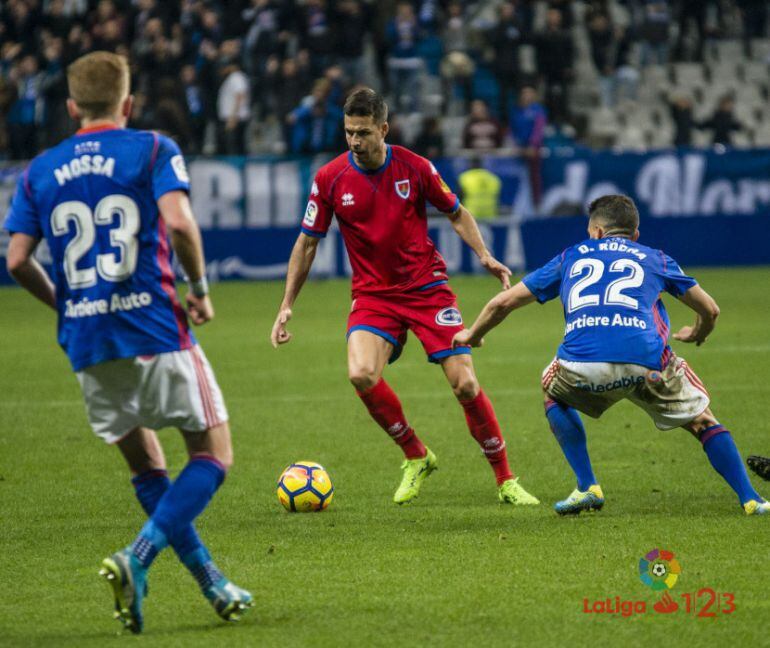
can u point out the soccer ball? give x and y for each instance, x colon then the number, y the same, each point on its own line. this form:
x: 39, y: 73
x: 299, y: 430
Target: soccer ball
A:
x: 305, y: 486
x: 659, y: 569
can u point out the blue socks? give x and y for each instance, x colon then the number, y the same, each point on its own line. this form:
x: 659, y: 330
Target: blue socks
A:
x: 569, y: 432
x: 720, y: 448
x: 150, y: 487
x: 172, y: 508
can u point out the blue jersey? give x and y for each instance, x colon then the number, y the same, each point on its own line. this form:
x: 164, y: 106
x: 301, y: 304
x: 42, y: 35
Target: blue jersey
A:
x: 94, y: 198
x: 610, y: 290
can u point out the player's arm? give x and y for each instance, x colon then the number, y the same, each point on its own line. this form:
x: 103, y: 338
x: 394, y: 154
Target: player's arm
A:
x: 27, y: 272
x: 465, y: 225
x: 176, y: 212
x: 706, y: 313
x: 300, y: 262
x: 493, y: 313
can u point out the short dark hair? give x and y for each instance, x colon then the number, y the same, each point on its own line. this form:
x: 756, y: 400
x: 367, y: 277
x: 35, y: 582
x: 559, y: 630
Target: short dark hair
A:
x: 365, y: 102
x: 616, y: 213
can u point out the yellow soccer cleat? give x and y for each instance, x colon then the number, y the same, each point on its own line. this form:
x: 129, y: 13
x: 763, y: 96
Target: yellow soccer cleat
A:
x: 415, y: 472
x: 511, y: 492
x: 590, y: 500
x: 753, y: 507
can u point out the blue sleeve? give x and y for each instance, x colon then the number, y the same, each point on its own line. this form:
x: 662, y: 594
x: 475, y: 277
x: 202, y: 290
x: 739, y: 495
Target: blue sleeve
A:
x: 675, y: 282
x: 169, y: 172
x: 545, y: 283
x: 23, y: 216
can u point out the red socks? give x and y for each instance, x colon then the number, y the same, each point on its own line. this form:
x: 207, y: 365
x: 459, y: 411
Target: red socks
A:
x: 385, y: 408
x: 484, y: 427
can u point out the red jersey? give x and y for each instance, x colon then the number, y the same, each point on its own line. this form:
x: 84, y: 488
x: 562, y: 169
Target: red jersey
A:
x: 382, y: 218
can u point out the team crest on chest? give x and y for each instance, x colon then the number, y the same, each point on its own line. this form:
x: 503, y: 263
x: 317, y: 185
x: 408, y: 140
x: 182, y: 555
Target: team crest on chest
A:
x: 403, y: 188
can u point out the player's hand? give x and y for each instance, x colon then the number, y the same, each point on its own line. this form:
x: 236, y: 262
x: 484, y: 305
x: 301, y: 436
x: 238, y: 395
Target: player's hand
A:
x: 688, y: 334
x: 199, y: 308
x: 465, y: 338
x: 503, y: 273
x: 280, y: 335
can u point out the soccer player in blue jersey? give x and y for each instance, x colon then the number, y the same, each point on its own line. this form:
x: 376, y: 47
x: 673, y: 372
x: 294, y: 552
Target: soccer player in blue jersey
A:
x: 107, y: 200
x: 616, y: 346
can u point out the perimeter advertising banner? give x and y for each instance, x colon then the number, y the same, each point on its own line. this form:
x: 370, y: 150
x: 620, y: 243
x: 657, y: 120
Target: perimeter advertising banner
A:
x: 703, y: 207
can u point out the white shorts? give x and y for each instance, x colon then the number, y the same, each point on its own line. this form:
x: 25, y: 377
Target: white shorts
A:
x: 175, y: 389
x: 672, y: 397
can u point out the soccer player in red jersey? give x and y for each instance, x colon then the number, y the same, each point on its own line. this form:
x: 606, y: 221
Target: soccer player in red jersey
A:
x: 378, y: 194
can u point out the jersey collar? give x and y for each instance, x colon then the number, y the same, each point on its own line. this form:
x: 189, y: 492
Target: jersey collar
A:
x: 97, y: 129
x: 385, y: 164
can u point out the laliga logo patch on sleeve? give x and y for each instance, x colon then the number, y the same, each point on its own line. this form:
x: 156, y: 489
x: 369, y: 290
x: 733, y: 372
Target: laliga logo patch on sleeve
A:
x: 449, y: 317
x: 180, y: 169
x: 310, y: 214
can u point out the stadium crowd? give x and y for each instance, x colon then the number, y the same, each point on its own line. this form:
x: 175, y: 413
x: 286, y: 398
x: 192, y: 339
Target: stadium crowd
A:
x: 240, y: 76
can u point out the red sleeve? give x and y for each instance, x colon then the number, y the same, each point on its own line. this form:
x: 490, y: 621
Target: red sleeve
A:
x: 437, y: 192
x: 319, y: 210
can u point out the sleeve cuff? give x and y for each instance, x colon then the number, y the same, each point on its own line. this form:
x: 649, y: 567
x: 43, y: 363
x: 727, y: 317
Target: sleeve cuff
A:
x: 310, y: 232
x: 29, y: 230
x: 453, y: 209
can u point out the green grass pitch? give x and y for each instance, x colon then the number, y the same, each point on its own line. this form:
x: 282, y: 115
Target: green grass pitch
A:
x: 455, y: 568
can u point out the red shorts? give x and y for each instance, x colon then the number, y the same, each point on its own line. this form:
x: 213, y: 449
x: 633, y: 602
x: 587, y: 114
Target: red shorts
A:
x: 430, y: 313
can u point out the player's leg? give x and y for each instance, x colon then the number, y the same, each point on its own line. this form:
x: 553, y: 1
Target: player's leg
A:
x: 720, y: 448
x: 144, y: 456
x: 484, y: 426
x: 675, y: 397
x: 564, y: 400
x: 368, y: 353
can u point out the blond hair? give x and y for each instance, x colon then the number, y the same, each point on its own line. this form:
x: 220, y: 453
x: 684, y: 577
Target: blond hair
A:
x: 98, y: 82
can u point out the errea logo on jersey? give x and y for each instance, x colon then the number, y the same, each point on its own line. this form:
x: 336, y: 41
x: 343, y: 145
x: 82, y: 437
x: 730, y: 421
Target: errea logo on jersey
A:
x: 347, y: 200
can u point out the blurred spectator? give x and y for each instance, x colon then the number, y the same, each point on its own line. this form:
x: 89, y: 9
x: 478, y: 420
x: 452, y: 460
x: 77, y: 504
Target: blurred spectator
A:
x: 684, y: 121
x: 404, y: 65
x: 528, y: 122
x: 723, y: 121
x: 53, y: 88
x: 316, y: 34
x: 430, y: 141
x: 25, y: 112
x: 56, y: 21
x: 480, y: 191
x: 267, y: 37
x: 626, y: 77
x: 555, y: 57
x: 692, y: 12
x: 505, y: 38
x: 233, y: 107
x: 352, y: 21
x: 316, y: 123
x: 603, y: 47
x: 195, y: 107
x: 564, y: 7
x: 754, y: 20
x: 482, y: 132
x: 654, y: 32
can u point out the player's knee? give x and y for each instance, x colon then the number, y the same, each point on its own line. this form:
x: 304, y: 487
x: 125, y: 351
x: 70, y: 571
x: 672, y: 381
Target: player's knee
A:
x: 363, y: 377
x: 466, y: 387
